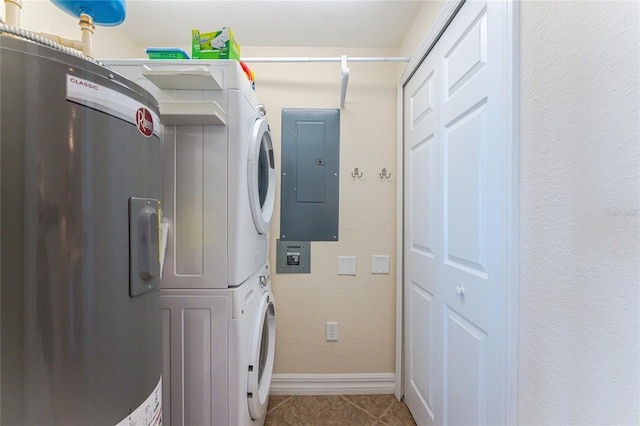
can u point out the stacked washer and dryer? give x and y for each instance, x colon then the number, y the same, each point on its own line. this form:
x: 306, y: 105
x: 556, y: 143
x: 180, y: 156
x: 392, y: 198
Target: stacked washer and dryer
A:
x: 218, y: 310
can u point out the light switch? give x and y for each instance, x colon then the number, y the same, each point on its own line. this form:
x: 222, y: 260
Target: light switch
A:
x: 346, y: 265
x: 379, y: 264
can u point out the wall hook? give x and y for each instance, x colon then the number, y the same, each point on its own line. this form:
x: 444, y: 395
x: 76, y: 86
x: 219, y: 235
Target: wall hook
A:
x: 383, y: 174
x: 356, y: 173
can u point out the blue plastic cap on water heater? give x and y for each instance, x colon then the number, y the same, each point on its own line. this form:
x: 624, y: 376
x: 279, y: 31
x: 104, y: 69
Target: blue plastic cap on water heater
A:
x: 103, y: 12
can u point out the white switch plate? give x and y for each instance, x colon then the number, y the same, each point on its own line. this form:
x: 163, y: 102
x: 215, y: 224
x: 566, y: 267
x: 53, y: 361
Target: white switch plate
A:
x: 379, y: 264
x: 346, y: 265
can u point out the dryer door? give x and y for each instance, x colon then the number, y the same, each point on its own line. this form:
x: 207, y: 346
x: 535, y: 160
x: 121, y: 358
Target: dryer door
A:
x: 263, y: 347
x: 261, y: 176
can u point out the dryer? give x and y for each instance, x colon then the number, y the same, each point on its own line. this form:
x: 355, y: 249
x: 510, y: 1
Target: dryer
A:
x: 250, y: 186
x: 219, y: 170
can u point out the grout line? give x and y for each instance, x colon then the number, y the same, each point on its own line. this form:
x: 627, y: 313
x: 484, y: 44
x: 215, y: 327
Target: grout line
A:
x: 362, y: 409
x: 281, y: 402
x: 351, y: 403
x: 385, y: 412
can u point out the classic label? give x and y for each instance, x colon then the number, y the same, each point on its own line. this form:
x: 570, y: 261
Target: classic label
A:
x: 114, y: 103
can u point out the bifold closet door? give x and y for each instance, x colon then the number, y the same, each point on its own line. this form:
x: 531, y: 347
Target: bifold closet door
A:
x: 422, y: 300
x: 453, y: 238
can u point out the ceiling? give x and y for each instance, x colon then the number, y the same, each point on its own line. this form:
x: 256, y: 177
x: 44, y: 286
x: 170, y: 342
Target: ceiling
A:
x: 300, y: 23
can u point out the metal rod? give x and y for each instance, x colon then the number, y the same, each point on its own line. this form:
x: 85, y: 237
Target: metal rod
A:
x: 330, y: 59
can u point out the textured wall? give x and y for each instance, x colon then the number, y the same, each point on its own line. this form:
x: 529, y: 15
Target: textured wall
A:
x: 108, y: 42
x: 364, y: 304
x: 579, y: 248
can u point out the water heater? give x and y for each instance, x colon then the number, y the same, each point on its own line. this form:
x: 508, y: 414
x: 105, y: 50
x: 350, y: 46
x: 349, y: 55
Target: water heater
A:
x: 80, y: 152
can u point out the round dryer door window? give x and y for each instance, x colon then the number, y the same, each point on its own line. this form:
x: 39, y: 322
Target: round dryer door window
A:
x: 262, y: 176
x: 261, y: 359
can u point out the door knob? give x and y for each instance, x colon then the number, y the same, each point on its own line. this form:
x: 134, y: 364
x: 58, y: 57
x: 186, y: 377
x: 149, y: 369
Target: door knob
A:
x: 459, y: 290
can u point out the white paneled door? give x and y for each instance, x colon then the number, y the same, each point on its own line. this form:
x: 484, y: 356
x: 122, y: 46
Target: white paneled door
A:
x: 454, y: 243
x: 423, y: 360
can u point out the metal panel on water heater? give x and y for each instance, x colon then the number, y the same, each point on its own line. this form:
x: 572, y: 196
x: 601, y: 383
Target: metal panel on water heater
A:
x: 310, y: 174
x: 77, y: 143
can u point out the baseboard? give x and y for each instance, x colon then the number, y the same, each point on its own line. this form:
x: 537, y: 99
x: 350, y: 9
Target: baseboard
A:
x: 333, y: 384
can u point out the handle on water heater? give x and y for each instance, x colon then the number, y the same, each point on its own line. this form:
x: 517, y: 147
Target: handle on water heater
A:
x: 144, y: 245
x: 148, y: 243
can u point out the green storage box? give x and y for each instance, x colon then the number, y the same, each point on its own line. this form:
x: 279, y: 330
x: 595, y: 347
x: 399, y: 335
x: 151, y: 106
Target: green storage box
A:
x: 215, y: 45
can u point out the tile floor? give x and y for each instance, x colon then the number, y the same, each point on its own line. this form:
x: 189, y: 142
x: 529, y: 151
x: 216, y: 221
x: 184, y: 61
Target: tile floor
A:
x: 330, y: 410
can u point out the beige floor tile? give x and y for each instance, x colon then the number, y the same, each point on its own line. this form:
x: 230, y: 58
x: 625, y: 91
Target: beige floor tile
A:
x: 318, y: 410
x: 398, y: 414
x: 372, y: 404
x: 330, y: 410
x: 276, y: 400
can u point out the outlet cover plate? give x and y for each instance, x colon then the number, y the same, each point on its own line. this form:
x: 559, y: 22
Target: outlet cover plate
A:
x: 346, y: 265
x: 332, y: 331
x: 379, y: 264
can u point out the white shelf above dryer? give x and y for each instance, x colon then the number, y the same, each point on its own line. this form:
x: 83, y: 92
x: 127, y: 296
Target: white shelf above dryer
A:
x: 188, y: 113
x: 190, y: 78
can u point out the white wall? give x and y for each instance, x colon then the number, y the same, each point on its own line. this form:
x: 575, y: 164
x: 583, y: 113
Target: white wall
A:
x: 364, y: 304
x: 421, y: 25
x: 108, y: 42
x: 580, y: 194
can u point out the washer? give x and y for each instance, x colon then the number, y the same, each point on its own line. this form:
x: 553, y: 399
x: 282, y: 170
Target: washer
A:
x: 252, y: 332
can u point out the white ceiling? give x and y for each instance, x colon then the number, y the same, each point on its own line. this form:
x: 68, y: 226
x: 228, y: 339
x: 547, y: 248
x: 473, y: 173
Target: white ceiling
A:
x: 302, y: 23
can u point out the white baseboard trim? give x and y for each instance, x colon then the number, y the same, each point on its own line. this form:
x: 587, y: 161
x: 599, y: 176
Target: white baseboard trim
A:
x: 333, y: 384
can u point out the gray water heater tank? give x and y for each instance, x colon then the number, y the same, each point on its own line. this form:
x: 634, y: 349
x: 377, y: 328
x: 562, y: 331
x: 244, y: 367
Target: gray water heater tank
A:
x: 80, y: 181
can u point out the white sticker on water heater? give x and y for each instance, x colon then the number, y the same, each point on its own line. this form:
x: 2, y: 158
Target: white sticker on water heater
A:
x: 149, y: 413
x: 112, y: 102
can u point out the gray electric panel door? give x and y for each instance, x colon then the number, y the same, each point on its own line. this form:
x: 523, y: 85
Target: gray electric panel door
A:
x: 310, y: 174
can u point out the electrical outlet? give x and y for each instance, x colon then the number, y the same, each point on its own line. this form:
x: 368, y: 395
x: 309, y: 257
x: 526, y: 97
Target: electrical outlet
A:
x: 332, y: 331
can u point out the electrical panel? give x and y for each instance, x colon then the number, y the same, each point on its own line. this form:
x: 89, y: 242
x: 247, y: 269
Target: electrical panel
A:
x: 310, y: 162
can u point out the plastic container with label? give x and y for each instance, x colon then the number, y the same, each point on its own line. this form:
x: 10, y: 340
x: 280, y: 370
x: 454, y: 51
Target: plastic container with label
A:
x: 166, y: 53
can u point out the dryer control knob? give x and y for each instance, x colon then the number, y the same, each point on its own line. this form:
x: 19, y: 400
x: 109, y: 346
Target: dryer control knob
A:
x: 262, y: 109
x: 263, y: 281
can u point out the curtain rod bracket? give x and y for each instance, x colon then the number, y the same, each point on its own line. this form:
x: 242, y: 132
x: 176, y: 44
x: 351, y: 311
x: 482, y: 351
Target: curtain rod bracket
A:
x: 344, y: 80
